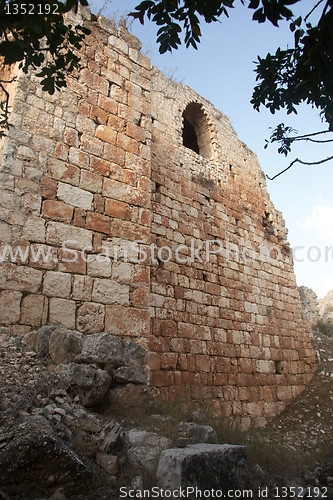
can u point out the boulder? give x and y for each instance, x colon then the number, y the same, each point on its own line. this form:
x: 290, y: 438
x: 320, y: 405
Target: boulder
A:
x: 128, y: 398
x: 144, y: 449
x: 65, y: 345
x: 128, y: 374
x: 43, y: 340
x: 34, y: 458
x: 111, y: 437
x: 192, y: 433
x: 108, y: 462
x: 105, y: 349
x: 204, y: 466
x: 89, y: 383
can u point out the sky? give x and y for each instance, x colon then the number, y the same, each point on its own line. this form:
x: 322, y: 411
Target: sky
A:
x: 221, y: 70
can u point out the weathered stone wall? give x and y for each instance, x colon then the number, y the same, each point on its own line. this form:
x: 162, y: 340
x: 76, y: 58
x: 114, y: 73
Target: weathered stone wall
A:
x: 80, y: 167
x: 76, y: 168
x: 231, y: 332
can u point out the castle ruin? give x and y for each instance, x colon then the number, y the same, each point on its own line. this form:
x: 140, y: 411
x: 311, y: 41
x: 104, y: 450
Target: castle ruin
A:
x: 138, y: 212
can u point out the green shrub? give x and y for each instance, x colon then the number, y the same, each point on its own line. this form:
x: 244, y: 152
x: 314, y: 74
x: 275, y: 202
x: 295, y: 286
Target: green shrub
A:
x: 325, y: 328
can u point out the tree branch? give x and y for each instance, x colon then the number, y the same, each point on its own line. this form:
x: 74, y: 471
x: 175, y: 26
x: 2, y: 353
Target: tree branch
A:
x: 297, y: 160
x: 314, y: 8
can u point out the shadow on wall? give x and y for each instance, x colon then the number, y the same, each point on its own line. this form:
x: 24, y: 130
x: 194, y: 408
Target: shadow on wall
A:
x: 196, y: 133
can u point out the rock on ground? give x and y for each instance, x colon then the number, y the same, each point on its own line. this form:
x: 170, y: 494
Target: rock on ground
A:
x: 205, y: 466
x: 89, y: 383
x: 42, y: 461
x: 144, y: 448
x: 105, y: 349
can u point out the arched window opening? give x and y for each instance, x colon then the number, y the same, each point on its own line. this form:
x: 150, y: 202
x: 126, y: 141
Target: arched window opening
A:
x: 190, y: 139
x: 196, y: 134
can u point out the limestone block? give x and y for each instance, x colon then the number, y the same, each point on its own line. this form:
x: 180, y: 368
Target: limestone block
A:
x: 82, y: 287
x: 30, y: 204
x: 62, y: 311
x: 123, y: 272
x: 33, y: 310
x: 90, y: 318
x: 118, y: 43
x: 217, y: 467
x: 110, y: 292
x: 57, y: 284
x: 74, y: 196
x: 107, y: 25
x: 91, y: 182
x: 144, y: 448
x: 126, y: 321
x: 58, y: 233
x: 99, y: 266
x: 63, y: 172
x: 10, y: 306
x: 193, y: 433
x: 25, y: 279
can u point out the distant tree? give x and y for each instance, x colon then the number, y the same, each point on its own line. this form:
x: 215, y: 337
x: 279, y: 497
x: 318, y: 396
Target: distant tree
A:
x: 34, y: 33
x: 302, y: 73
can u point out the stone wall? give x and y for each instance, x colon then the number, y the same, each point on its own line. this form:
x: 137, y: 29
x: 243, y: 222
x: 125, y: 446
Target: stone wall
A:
x: 76, y: 168
x: 106, y: 163
x: 231, y: 331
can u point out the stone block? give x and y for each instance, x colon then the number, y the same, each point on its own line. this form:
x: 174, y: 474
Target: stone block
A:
x: 57, y: 284
x: 90, y: 318
x: 48, y: 187
x: 58, y: 211
x: 91, y: 182
x: 62, y: 311
x: 33, y: 310
x: 118, y: 44
x: 127, y: 321
x: 217, y: 467
x: 94, y: 81
x: 10, y: 302
x: 82, y: 287
x: 71, y: 261
x: 30, y: 204
x: 74, y: 196
x: 110, y: 292
x: 117, y: 209
x: 106, y: 134
x: 24, y: 279
x: 62, y: 171
x: 99, y: 266
x: 65, y: 345
x: 98, y: 222
x: 77, y: 238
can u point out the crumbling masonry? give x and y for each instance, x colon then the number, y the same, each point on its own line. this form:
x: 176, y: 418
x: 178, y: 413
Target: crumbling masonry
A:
x: 122, y: 155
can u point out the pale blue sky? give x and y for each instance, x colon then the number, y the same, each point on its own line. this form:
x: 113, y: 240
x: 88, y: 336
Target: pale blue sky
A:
x: 221, y: 70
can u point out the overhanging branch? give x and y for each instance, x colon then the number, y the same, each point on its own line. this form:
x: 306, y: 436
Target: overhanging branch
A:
x: 297, y: 160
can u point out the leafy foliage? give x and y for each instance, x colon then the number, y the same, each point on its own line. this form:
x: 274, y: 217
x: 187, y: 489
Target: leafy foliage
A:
x: 174, y: 16
x: 303, y: 73
x: 36, y: 35
x: 325, y: 328
x: 282, y: 135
